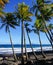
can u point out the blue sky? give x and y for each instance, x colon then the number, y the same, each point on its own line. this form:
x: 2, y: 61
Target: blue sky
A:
x: 16, y: 33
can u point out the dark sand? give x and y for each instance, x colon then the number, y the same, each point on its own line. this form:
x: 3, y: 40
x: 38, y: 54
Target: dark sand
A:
x: 8, y: 59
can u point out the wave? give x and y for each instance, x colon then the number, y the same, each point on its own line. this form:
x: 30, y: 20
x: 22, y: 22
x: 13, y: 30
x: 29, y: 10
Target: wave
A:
x: 18, y: 50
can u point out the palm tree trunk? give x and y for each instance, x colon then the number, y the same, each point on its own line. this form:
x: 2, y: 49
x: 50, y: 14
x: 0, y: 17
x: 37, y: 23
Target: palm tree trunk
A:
x: 31, y: 46
x: 51, y: 33
x: 12, y: 45
x: 25, y: 47
x: 41, y: 45
x: 46, y: 28
x: 22, y: 28
x: 49, y: 40
x: 44, y: 24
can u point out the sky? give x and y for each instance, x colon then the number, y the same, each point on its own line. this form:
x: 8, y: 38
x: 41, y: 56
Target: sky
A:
x: 16, y: 33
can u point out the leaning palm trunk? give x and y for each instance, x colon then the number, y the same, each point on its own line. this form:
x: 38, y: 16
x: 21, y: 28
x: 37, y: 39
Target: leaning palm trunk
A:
x: 22, y: 28
x: 51, y: 33
x: 46, y: 28
x: 12, y: 46
x: 44, y: 24
x: 41, y: 45
x: 25, y: 47
x: 49, y: 40
x: 31, y: 45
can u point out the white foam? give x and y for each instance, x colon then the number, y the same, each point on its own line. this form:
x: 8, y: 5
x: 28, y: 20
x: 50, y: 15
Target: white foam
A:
x: 18, y: 50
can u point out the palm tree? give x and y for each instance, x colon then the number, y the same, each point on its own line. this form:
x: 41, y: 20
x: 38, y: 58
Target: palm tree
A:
x: 42, y: 28
x: 50, y: 27
x: 27, y: 31
x: 7, y: 22
x: 47, y: 15
x: 37, y: 27
x: 45, y: 11
x: 23, y: 14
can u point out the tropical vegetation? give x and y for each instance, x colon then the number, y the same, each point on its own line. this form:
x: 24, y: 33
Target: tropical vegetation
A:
x: 42, y: 11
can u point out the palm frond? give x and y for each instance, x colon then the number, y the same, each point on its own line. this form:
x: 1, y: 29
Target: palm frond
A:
x: 33, y: 8
x: 34, y: 30
x: 23, y: 12
x: 27, y: 19
x: 30, y: 14
x: 5, y: 1
x: 47, y: 1
x: 2, y: 3
x: 14, y: 23
x: 12, y: 26
x: 27, y: 24
x: 2, y: 13
x: 2, y: 25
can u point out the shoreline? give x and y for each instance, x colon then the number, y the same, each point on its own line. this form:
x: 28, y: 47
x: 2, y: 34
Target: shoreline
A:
x: 18, y: 50
x: 9, y: 56
x: 49, y: 55
x: 29, y: 53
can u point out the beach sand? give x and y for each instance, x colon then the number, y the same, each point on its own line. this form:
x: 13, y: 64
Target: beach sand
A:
x: 31, y: 60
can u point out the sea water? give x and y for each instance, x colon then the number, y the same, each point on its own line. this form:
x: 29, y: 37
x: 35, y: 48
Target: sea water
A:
x: 7, y: 48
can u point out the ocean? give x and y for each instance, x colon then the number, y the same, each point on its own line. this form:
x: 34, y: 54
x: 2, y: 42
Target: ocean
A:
x: 19, y: 45
x: 7, y: 48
